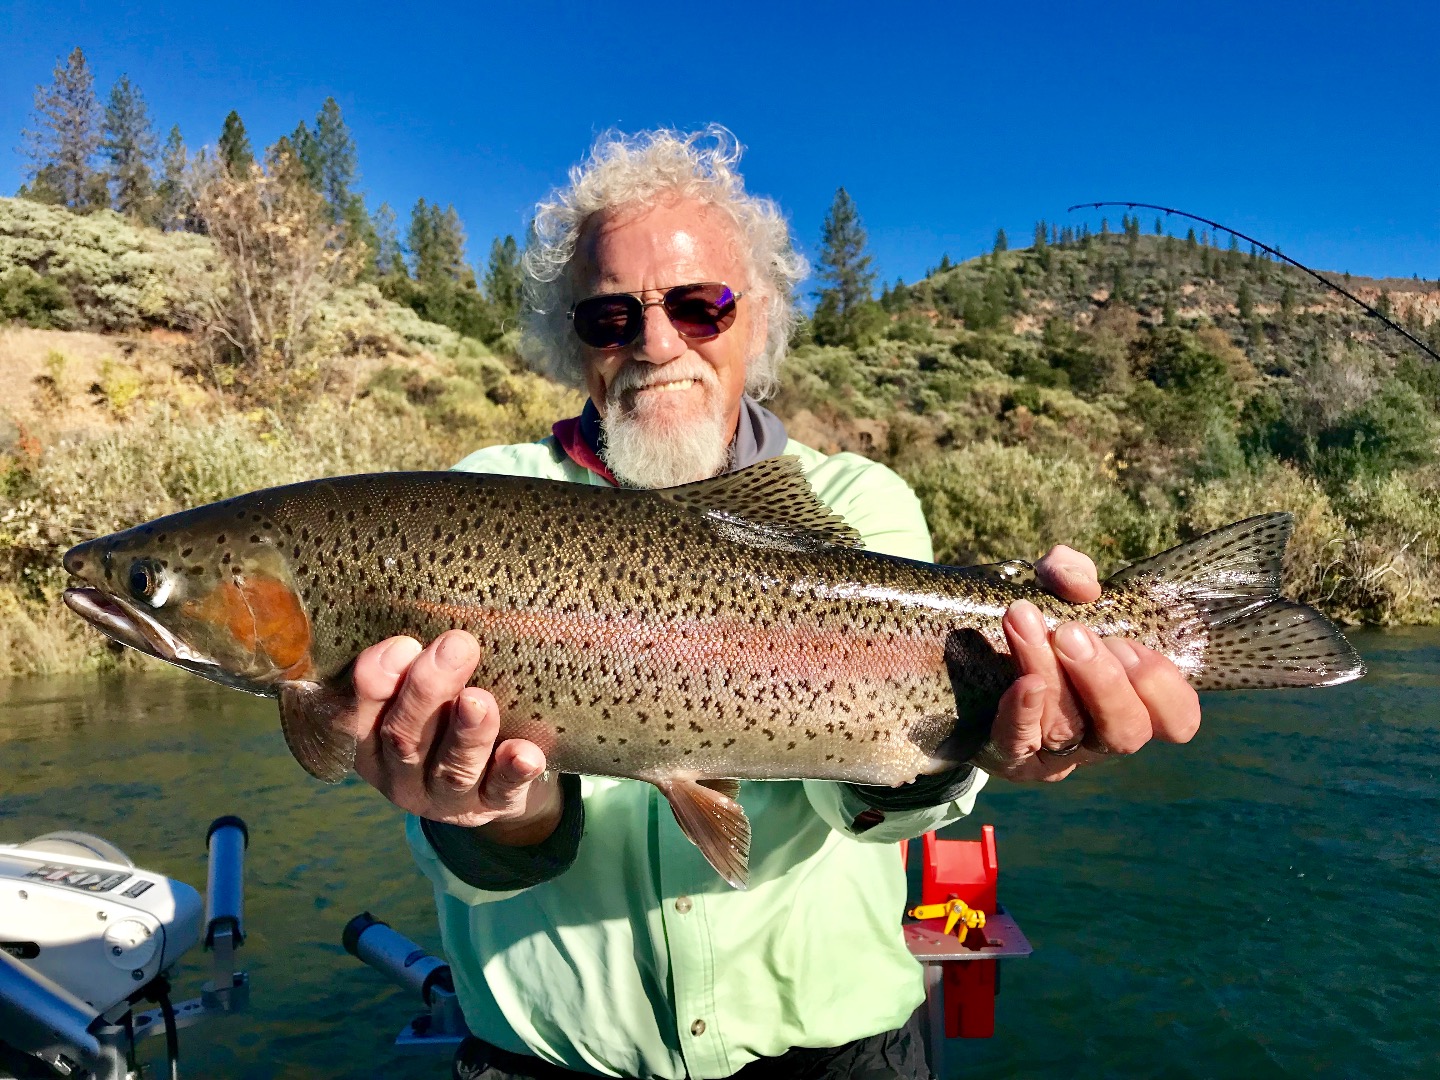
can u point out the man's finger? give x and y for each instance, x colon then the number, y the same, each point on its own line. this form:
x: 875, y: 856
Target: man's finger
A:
x: 1015, y: 749
x: 463, y: 749
x: 1119, y: 720
x: 377, y: 674
x: 1069, y: 574
x: 434, y: 680
x: 1172, y: 703
x: 515, y: 764
x: 1029, y: 639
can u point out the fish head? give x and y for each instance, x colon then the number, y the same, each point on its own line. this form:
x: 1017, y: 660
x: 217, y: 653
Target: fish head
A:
x: 208, y: 590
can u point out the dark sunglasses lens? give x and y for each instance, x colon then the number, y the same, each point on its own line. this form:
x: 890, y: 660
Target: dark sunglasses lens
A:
x: 701, y: 311
x: 607, y: 322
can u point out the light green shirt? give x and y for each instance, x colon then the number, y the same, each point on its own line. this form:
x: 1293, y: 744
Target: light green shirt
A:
x: 639, y: 960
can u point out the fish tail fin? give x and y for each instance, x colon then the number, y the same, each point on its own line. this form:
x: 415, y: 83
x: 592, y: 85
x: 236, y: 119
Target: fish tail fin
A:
x: 1256, y: 638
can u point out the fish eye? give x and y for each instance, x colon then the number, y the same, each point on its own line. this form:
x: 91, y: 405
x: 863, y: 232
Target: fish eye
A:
x: 147, y: 582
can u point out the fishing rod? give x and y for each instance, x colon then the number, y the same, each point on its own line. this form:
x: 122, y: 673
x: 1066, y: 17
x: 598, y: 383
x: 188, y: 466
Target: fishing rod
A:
x: 1273, y: 251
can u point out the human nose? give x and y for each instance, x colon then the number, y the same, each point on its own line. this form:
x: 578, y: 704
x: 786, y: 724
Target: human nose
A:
x: 659, y: 342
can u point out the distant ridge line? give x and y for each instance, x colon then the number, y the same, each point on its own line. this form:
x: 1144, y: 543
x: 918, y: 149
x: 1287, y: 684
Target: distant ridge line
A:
x: 1273, y: 251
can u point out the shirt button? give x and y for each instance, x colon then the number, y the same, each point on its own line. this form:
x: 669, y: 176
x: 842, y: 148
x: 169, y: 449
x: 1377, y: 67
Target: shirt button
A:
x: 697, y: 1028
x: 682, y: 905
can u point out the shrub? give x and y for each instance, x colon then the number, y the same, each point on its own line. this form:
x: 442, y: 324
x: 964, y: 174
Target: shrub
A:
x: 117, y: 275
x: 284, y: 259
x: 987, y: 502
x: 38, y: 301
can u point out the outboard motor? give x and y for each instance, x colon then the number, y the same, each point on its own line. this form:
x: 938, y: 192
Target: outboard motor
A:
x: 86, y: 936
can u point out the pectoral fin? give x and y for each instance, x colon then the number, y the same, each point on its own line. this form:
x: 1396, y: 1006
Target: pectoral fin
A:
x: 309, y: 716
x: 714, y: 822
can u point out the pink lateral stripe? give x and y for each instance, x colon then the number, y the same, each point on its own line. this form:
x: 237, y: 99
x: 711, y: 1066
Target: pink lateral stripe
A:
x: 568, y: 434
x: 697, y: 645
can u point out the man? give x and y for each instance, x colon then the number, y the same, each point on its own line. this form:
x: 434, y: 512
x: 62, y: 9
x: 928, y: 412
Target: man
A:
x: 584, y: 931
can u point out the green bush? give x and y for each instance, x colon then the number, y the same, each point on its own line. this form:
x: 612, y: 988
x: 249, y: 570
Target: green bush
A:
x: 37, y: 301
x: 118, y: 275
x: 987, y: 503
x: 1392, y: 430
x: 448, y: 303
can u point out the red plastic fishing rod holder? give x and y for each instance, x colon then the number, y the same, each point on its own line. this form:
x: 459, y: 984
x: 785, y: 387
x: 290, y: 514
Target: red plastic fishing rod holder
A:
x: 966, y: 870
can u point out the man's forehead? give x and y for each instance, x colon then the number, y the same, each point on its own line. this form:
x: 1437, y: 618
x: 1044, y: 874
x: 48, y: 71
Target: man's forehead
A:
x: 686, y: 239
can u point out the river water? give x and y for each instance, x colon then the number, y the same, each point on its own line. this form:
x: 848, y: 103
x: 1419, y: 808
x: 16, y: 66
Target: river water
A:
x: 1262, y: 902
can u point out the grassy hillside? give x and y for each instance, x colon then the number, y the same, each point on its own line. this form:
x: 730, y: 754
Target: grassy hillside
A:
x: 125, y: 414
x: 1115, y: 394
x: 1127, y: 391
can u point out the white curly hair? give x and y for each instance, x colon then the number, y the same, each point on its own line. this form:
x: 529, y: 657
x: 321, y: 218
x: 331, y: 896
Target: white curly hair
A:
x: 623, y: 170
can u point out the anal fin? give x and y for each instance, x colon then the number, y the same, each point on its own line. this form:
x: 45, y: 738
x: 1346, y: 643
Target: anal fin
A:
x: 309, y: 718
x: 710, y: 817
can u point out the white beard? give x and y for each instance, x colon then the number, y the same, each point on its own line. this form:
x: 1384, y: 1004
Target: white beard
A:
x: 652, y: 447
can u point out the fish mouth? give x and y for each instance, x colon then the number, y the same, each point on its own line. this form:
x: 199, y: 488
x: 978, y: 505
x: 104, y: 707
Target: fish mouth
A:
x: 130, y: 626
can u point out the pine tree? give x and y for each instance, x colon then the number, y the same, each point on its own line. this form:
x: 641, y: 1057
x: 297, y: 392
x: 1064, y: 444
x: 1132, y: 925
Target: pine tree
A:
x: 844, y: 263
x: 334, y: 169
x: 175, y: 208
x: 1159, y: 228
x: 298, y: 150
x: 1002, y: 242
x: 503, y: 280
x: 388, y: 257
x: 130, y: 146
x: 1190, y: 239
x: 234, y: 147
x: 437, y: 244
x: 1245, y: 302
x: 62, y: 145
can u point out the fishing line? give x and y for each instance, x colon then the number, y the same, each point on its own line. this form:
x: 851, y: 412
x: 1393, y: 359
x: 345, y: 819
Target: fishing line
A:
x: 1273, y: 251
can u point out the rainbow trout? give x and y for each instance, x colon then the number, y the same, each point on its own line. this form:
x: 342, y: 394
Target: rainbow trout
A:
x: 690, y: 637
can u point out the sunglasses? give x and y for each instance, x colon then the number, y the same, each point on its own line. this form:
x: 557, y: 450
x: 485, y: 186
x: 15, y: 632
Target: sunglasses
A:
x: 613, y: 320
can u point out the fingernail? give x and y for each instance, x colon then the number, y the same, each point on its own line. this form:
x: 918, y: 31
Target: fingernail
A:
x: 524, y: 771
x: 398, y: 655
x: 1032, y: 698
x: 1028, y: 622
x: 452, y: 653
x: 1124, y: 652
x: 469, y: 706
x: 1074, y: 641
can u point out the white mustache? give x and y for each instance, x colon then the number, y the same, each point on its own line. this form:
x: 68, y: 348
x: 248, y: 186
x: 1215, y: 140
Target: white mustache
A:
x: 643, y: 376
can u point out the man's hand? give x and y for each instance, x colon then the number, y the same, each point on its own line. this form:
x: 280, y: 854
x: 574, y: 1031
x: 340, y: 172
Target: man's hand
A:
x: 1080, y: 698
x: 426, y: 742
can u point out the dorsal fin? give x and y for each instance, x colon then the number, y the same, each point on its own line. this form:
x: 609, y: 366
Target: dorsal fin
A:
x: 769, y: 504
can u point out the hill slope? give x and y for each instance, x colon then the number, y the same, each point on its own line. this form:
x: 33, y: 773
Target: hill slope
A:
x: 1116, y: 394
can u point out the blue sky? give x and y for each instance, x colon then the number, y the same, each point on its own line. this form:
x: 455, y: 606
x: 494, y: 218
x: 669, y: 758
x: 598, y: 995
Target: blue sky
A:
x: 1310, y: 126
